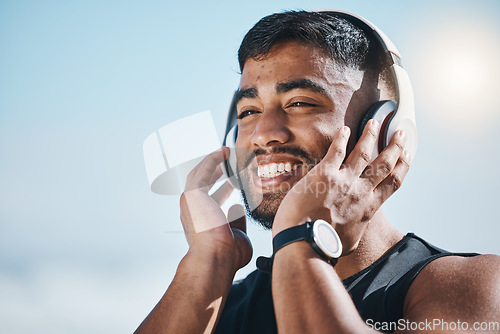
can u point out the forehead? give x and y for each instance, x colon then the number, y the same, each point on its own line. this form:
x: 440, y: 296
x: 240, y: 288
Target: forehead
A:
x: 290, y: 61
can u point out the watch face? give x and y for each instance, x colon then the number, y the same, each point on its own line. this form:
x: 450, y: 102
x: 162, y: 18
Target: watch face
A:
x: 327, y: 239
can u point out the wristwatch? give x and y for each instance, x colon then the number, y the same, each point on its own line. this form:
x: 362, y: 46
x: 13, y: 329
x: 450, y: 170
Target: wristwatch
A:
x: 320, y: 234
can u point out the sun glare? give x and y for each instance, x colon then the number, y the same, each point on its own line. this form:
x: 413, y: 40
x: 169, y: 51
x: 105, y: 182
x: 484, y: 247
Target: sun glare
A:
x: 463, y: 76
x: 459, y: 73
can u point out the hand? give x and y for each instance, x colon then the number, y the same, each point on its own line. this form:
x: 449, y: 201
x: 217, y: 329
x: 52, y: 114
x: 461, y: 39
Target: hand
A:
x: 207, y: 230
x: 346, y: 195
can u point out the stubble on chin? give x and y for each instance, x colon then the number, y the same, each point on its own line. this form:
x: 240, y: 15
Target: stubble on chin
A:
x: 260, y: 206
x: 264, y: 212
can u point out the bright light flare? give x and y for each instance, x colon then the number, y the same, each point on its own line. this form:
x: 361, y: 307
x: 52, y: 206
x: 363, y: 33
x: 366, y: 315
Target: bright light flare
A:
x: 459, y: 73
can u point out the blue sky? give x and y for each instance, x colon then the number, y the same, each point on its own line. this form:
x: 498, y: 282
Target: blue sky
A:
x: 86, y: 247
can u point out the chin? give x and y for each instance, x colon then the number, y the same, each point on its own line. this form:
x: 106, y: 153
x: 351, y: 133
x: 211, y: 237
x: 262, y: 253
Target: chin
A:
x: 262, y: 204
x: 263, y: 212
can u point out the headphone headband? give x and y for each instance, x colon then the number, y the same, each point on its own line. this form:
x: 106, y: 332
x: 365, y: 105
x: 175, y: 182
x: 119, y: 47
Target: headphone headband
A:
x: 367, y: 26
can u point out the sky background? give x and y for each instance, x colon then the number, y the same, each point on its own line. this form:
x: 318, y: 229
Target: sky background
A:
x: 86, y: 247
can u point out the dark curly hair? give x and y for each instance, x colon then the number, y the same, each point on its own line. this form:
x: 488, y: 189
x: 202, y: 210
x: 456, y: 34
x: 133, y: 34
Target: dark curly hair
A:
x: 346, y: 43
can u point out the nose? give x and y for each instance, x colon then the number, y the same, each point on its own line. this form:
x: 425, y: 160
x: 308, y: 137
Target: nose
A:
x: 271, y: 129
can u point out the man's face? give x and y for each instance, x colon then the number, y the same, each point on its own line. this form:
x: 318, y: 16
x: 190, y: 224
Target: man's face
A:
x: 291, y: 104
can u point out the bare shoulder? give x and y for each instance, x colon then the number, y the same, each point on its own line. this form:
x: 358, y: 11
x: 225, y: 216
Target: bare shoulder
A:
x: 456, y: 292
x: 452, y: 270
x: 454, y: 286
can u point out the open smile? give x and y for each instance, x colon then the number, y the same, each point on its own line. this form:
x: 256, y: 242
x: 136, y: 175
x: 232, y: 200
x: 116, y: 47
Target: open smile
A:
x: 275, y: 169
x: 271, y: 171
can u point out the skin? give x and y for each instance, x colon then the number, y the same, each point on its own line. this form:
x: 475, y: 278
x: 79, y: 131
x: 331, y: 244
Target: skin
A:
x: 450, y: 288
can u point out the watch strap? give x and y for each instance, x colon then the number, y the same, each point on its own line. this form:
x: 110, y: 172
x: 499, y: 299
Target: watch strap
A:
x: 289, y: 235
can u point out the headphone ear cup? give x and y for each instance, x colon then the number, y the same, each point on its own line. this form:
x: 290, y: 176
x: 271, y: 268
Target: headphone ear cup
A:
x: 382, y: 111
x: 229, y: 166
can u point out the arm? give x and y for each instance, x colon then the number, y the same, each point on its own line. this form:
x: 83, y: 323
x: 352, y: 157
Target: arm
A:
x: 308, y: 295
x: 194, y: 300
x: 196, y: 296
x: 456, y: 291
x: 307, y: 292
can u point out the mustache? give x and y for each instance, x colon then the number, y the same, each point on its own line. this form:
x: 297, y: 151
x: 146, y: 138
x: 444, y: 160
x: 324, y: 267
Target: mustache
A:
x: 292, y: 150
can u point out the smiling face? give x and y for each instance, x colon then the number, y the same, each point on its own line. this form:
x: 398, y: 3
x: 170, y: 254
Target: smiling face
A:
x: 291, y: 103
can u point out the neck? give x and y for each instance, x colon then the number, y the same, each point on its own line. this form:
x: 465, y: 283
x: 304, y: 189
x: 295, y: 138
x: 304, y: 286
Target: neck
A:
x: 378, y: 238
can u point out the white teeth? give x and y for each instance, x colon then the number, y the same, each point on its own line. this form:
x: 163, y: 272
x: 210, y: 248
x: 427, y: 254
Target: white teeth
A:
x: 274, y: 169
x: 265, y: 169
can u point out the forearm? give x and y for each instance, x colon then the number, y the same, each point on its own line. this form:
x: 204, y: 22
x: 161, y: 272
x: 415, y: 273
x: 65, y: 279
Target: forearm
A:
x: 308, y: 295
x: 195, y: 298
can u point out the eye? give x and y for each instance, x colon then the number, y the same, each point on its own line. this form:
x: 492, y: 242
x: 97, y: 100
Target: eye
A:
x: 246, y: 113
x: 301, y: 104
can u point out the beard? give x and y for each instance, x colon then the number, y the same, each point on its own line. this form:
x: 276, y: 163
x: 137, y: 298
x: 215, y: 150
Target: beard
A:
x: 265, y: 212
x: 262, y: 206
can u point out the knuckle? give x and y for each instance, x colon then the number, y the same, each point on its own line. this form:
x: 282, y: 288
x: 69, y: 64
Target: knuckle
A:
x: 343, y: 188
x: 338, y: 151
x: 209, y: 158
x: 400, y: 146
x: 397, y: 181
x: 405, y: 162
x: 384, y: 167
x: 356, y: 197
x: 365, y: 156
x: 330, y: 176
x: 213, y: 157
x: 372, y: 133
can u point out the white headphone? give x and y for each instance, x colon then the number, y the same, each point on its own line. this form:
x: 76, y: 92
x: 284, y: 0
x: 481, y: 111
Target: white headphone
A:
x: 391, y: 115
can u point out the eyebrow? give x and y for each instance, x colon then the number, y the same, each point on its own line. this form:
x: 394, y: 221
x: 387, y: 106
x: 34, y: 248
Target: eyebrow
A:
x: 283, y: 87
x: 249, y: 93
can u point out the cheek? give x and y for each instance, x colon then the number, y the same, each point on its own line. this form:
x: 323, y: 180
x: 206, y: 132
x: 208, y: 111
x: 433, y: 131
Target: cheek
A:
x: 319, y: 137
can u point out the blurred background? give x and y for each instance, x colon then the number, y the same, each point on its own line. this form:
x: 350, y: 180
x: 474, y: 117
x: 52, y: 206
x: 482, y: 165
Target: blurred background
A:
x: 86, y: 247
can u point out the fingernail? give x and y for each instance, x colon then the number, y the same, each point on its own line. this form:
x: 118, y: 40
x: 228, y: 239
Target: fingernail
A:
x: 374, y: 122
x: 345, y: 130
x: 225, y: 151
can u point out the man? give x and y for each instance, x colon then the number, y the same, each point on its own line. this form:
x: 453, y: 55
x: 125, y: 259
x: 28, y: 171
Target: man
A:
x: 306, y: 80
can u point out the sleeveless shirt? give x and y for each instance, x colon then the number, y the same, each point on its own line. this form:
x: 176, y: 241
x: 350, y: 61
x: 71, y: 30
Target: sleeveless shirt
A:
x: 378, y: 291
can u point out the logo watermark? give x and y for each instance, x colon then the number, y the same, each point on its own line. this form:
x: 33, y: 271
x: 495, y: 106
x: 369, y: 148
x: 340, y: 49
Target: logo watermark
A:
x: 437, y: 325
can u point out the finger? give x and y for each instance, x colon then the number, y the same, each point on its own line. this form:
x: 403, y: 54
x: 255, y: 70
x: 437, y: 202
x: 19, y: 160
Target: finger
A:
x: 216, y: 176
x: 208, y: 171
x: 222, y: 194
x: 336, y: 153
x: 361, y: 155
x: 395, y: 179
x: 236, y: 218
x: 383, y: 165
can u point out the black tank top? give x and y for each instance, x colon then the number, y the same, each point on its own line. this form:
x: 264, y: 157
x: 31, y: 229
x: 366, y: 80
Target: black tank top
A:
x: 378, y: 291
